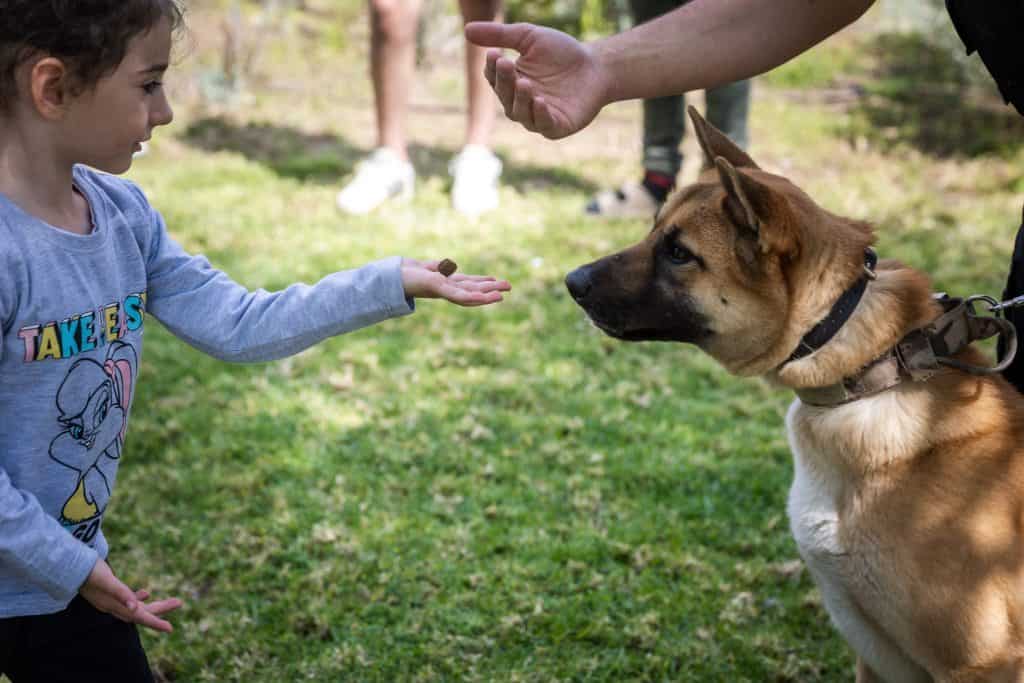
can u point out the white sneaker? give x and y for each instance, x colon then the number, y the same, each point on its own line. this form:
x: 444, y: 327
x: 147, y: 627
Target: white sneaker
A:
x: 379, y: 177
x: 476, y: 171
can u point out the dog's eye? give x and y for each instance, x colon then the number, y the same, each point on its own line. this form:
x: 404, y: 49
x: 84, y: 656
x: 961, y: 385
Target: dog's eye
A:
x: 679, y: 254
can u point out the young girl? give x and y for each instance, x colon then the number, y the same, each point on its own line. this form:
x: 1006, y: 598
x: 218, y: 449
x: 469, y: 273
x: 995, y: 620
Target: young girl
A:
x: 83, y: 260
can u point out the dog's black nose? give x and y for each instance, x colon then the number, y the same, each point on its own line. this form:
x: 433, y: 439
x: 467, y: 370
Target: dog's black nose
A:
x: 578, y: 282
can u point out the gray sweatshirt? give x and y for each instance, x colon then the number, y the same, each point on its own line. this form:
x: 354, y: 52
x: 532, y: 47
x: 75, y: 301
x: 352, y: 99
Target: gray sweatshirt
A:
x: 73, y: 311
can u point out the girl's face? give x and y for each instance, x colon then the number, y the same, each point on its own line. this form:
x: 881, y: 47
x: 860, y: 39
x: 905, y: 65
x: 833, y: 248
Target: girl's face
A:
x: 106, y: 125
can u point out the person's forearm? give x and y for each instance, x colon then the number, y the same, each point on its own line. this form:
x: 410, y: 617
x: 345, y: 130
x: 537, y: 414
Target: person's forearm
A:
x: 707, y: 43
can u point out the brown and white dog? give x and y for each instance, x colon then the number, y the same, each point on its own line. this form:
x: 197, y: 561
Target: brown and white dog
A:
x: 907, y: 505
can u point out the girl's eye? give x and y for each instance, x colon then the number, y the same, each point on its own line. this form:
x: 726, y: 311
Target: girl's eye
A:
x: 152, y: 87
x: 76, y: 431
x: 679, y: 254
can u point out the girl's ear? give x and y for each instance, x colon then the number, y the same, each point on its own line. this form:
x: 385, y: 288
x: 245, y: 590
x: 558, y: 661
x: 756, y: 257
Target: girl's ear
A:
x: 48, y: 87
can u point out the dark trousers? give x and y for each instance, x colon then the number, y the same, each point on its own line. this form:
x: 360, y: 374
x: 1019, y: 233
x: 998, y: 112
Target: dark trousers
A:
x: 79, y: 645
x: 1015, y: 287
x: 728, y: 107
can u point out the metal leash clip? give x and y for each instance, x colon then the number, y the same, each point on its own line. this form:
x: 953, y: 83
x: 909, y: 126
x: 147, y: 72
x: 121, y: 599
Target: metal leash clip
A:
x: 938, y: 342
x: 996, y: 306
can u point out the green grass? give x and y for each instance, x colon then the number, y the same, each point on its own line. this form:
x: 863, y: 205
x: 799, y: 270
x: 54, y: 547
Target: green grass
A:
x: 493, y: 494
x: 499, y: 494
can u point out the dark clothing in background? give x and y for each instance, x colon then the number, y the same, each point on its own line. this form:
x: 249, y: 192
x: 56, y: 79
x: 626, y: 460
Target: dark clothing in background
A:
x: 993, y: 29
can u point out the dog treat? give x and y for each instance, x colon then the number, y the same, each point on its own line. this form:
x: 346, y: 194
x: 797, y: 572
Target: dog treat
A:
x: 447, y: 267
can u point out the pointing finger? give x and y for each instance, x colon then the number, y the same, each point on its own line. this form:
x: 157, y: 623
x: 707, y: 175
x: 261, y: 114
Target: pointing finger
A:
x: 493, y: 34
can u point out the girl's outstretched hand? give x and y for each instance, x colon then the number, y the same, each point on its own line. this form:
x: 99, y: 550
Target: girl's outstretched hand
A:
x: 422, y: 280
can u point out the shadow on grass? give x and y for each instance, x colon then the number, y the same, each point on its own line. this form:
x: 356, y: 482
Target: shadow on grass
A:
x: 918, y: 93
x: 327, y: 159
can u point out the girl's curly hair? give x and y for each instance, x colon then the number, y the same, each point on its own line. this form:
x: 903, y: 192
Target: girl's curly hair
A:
x: 90, y: 36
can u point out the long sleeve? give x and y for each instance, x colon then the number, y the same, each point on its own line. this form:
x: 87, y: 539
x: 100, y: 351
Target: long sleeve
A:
x: 205, y: 308
x: 34, y: 546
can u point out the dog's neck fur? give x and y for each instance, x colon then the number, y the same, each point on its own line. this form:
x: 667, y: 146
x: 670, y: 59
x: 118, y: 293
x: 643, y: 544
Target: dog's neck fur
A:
x: 816, y: 274
x: 897, y: 301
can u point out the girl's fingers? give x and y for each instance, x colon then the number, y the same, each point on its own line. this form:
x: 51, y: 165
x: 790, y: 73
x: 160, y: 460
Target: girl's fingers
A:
x: 163, y: 606
x: 483, y: 285
x: 135, y: 611
x: 487, y: 281
x: 121, y: 595
x: 477, y: 299
x: 470, y: 278
x: 467, y: 297
x: 144, y: 617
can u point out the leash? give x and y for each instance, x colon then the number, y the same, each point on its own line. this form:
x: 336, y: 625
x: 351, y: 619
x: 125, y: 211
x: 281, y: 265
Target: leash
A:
x: 926, y: 350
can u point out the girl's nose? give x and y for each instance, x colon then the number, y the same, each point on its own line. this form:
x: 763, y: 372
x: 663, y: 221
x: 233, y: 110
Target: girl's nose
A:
x: 163, y: 114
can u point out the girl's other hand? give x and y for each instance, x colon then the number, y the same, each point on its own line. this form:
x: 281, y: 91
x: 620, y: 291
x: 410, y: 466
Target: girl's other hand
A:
x: 107, y: 593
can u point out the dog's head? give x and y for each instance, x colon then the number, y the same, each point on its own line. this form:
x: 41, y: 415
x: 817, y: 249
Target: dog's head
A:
x: 741, y: 263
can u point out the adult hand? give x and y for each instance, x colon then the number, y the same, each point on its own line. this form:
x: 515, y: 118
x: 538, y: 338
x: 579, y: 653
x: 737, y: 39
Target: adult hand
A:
x: 556, y: 86
x: 107, y: 593
x: 421, y: 279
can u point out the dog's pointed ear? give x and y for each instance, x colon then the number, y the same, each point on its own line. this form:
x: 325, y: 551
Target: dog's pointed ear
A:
x: 715, y: 143
x: 761, y: 212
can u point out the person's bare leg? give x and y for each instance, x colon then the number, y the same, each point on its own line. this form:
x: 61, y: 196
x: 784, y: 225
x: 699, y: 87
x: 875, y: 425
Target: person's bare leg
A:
x: 480, y: 100
x: 392, y: 67
x: 387, y: 173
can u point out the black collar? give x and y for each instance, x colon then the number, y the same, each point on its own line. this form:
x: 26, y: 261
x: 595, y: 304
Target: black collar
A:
x: 821, y: 333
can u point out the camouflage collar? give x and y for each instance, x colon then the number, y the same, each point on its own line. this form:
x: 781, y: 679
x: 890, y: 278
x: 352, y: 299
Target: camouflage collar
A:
x: 922, y: 353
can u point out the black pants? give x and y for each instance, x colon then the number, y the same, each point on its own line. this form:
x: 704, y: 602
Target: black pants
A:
x: 79, y: 645
x: 1015, y: 287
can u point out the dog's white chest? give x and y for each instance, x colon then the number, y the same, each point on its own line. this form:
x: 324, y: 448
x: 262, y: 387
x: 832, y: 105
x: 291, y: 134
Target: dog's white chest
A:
x: 849, y: 577
x: 813, y: 513
x: 828, y: 448
x: 814, y: 517
x: 813, y: 506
